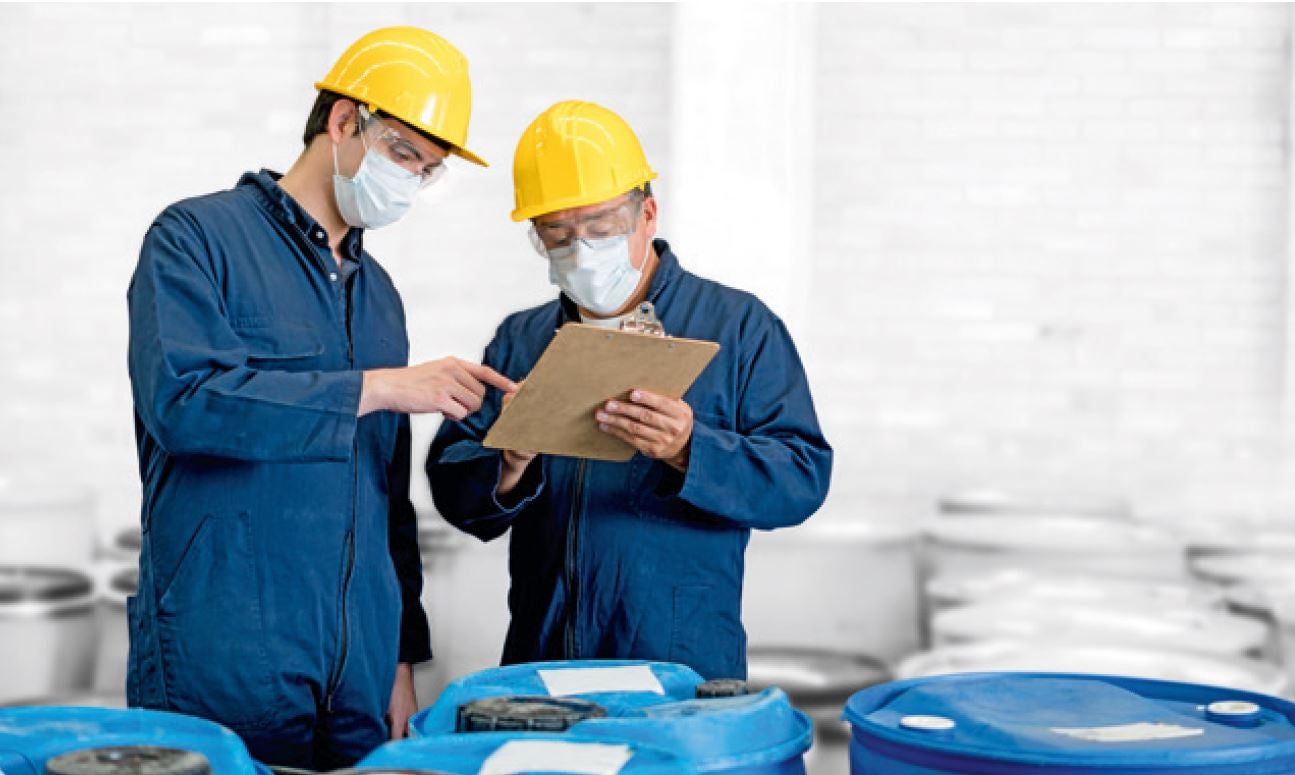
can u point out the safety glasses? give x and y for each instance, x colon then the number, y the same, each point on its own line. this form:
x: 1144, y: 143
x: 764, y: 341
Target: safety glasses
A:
x: 610, y: 222
x: 387, y: 140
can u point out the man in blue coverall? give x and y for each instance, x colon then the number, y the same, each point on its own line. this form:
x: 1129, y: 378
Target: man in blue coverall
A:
x: 280, y: 575
x: 640, y: 560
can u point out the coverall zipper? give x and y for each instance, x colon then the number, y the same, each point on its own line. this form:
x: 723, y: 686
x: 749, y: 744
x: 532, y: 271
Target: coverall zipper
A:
x: 350, y: 533
x: 573, y: 548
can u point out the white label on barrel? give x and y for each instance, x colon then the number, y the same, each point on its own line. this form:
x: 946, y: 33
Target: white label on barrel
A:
x: 517, y: 756
x: 590, y: 680
x: 1130, y: 733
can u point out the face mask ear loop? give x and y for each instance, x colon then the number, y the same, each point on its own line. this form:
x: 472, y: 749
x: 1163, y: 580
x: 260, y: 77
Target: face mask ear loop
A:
x: 337, y: 169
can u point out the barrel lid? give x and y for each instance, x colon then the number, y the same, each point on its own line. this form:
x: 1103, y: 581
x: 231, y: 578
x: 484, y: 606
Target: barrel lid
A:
x: 129, y: 760
x: 812, y: 676
x: 125, y: 581
x: 1258, y: 568
x: 1226, y: 534
x: 1170, y: 665
x: 1214, y: 632
x: 526, y: 714
x: 1049, y: 532
x: 995, y: 500
x: 1016, y: 723
x: 1021, y: 583
x: 843, y: 530
x: 42, y: 585
x: 130, y: 540
x: 1258, y: 598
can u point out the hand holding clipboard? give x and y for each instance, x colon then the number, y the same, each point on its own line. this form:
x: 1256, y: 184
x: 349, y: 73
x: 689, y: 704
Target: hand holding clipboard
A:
x: 583, y: 367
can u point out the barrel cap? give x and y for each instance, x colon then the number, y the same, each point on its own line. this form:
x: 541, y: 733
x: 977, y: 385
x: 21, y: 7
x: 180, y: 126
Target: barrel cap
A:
x: 129, y: 760
x: 526, y: 714
x: 722, y: 687
x: 43, y: 585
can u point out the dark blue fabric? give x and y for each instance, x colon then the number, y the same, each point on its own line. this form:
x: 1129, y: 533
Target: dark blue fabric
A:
x: 634, y: 560
x: 280, y: 560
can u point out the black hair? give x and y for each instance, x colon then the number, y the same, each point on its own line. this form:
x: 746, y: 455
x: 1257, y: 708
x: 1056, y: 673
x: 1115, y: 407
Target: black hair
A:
x: 317, y: 122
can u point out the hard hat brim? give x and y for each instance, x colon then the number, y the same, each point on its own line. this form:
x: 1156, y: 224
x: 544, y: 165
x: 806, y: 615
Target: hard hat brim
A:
x: 455, y: 149
x: 584, y: 200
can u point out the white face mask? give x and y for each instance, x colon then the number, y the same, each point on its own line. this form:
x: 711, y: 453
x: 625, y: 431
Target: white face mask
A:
x: 596, y: 274
x: 380, y: 193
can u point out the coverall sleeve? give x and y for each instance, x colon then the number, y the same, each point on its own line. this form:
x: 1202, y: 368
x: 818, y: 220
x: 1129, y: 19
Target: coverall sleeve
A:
x: 197, y: 388
x: 773, y: 470
x: 402, y: 542
x: 464, y: 475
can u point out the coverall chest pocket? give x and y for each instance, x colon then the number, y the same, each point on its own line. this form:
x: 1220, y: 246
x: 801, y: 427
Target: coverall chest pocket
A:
x: 215, y: 659
x: 280, y: 346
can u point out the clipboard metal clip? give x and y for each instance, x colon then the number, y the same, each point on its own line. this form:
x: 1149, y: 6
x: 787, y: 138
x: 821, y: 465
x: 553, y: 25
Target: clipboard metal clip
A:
x: 643, y: 320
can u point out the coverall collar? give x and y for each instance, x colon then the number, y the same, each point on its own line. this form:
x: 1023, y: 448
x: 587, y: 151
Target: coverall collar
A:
x: 280, y: 204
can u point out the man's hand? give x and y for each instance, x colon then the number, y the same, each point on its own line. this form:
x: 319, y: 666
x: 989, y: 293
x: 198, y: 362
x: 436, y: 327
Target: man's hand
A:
x: 515, y: 462
x: 404, y: 704
x: 451, y: 386
x: 657, y: 426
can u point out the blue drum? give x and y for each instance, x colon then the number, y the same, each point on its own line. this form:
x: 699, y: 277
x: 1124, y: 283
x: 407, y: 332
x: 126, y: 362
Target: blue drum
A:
x: 713, y: 726
x: 1060, y: 724
x: 30, y: 737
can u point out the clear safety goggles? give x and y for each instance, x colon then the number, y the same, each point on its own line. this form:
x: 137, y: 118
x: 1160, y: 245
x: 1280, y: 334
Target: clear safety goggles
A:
x: 552, y: 239
x: 387, y: 140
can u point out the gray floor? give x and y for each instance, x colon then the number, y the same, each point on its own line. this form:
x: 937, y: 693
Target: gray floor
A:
x: 830, y: 754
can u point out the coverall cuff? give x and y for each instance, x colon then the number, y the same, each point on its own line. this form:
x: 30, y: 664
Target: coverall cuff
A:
x: 528, y: 487
x: 706, y: 452
x: 350, y: 385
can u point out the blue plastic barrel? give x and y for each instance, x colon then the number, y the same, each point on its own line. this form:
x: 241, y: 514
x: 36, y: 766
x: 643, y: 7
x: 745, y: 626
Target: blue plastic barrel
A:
x: 616, y: 685
x: 1062, y: 724
x: 758, y: 734
x: 468, y: 754
x: 31, y: 736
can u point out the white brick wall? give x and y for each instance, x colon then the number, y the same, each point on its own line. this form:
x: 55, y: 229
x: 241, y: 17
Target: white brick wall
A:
x: 1058, y: 235
x: 1047, y: 242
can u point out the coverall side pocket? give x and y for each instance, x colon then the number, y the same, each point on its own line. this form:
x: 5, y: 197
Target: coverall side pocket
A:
x: 215, y: 660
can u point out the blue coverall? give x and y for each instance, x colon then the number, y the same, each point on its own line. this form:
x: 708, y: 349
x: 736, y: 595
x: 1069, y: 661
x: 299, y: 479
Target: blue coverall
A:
x: 635, y: 560
x: 280, y: 574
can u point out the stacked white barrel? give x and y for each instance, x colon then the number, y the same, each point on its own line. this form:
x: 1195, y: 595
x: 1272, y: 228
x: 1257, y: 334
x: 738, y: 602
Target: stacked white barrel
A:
x: 1253, y: 563
x: 1097, y: 591
x: 47, y: 591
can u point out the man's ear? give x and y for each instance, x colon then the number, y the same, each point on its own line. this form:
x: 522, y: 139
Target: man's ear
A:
x: 649, y: 215
x: 343, y: 120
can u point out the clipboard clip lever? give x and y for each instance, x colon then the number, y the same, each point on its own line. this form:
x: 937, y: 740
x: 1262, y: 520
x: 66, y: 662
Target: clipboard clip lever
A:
x: 643, y: 320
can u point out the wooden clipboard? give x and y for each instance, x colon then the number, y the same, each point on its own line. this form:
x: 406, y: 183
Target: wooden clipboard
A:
x: 583, y: 367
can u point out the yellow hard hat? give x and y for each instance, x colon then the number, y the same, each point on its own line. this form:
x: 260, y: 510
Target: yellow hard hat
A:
x: 412, y: 74
x: 575, y: 154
